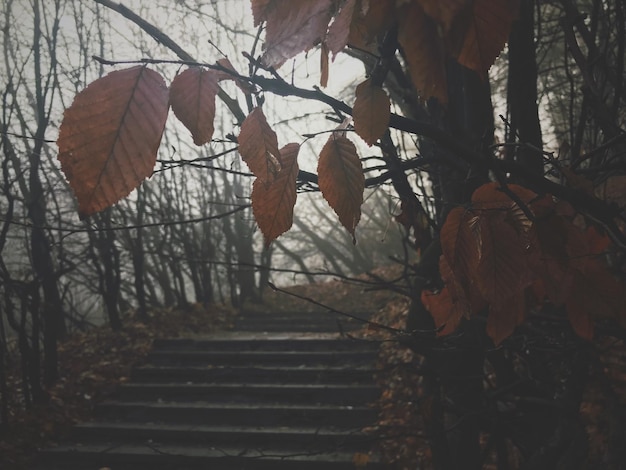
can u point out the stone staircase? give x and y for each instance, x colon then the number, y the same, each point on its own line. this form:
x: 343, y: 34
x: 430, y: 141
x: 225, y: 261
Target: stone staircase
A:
x: 282, y: 391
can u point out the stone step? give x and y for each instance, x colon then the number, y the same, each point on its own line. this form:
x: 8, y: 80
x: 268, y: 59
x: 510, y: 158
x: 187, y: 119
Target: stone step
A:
x: 185, y: 457
x: 310, y: 439
x: 241, y: 414
x: 297, y: 322
x: 260, y: 374
x: 250, y: 358
x: 251, y: 392
x: 280, y: 327
x: 304, y: 315
x: 271, y: 343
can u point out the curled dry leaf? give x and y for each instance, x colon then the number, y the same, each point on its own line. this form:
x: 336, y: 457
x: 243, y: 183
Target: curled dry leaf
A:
x: 110, y: 135
x: 272, y: 204
x: 192, y: 96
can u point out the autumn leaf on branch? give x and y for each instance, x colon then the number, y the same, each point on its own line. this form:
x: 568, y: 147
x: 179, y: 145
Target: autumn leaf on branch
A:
x: 495, y: 251
x: 261, y: 10
x: 424, y: 51
x: 446, y: 313
x: 453, y: 303
x: 258, y: 146
x: 371, y: 112
x: 292, y: 27
x: 502, y: 269
x: 483, y: 30
x: 341, y: 180
x: 230, y: 73
x: 110, y: 135
x: 339, y: 30
x: 490, y: 258
x: 460, y: 244
x: 370, y: 20
x: 192, y: 97
x: 272, y: 204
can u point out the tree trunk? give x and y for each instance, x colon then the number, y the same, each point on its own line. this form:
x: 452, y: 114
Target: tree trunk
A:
x: 456, y: 388
x: 138, y: 256
x: 525, y: 128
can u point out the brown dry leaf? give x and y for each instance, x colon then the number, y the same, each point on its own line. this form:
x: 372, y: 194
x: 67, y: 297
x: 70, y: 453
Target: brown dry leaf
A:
x: 446, y: 313
x: 110, y: 135
x: 341, y: 180
x: 339, y: 30
x: 324, y: 66
x: 258, y: 146
x: 483, y: 33
x: 423, y: 47
x: 371, y: 112
x: 272, y: 204
x: 192, y: 97
x: 450, y: 305
x: 503, y: 269
x: 225, y: 62
x: 373, y: 18
x: 261, y: 10
x: 459, y: 245
x: 292, y: 27
x: 490, y: 196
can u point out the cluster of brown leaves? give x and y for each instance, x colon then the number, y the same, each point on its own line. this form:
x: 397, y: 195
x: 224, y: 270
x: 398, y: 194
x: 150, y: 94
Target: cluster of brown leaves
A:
x: 429, y: 32
x: 91, y: 365
x: 512, y: 250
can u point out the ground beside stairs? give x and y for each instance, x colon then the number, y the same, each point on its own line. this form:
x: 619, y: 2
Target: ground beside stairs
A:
x: 283, y: 390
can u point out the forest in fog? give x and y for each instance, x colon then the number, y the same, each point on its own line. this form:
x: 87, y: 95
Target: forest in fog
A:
x: 480, y: 146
